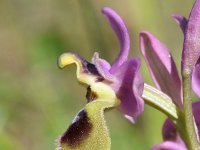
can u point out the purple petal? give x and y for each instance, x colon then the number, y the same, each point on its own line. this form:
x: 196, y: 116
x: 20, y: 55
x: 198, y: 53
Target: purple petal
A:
x: 196, y: 79
x: 120, y: 29
x: 196, y: 112
x: 182, y: 21
x: 161, y: 66
x: 129, y: 88
x: 171, y: 136
x: 191, y: 46
x: 168, y: 145
x: 170, y: 133
x: 103, y: 67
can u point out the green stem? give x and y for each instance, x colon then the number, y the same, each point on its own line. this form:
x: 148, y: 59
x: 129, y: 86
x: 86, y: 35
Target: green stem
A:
x: 191, y: 137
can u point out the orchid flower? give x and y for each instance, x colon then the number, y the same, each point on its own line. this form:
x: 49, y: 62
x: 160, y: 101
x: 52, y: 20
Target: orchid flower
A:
x: 117, y: 85
x: 165, y: 76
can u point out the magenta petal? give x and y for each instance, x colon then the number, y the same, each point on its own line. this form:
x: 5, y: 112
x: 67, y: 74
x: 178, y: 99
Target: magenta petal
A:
x: 191, y: 46
x: 120, y: 29
x: 196, y: 112
x: 181, y: 20
x: 170, y: 133
x: 196, y: 79
x: 103, y: 67
x: 168, y: 145
x: 161, y: 66
x: 129, y: 89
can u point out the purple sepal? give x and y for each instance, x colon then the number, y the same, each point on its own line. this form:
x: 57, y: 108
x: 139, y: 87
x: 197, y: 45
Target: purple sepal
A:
x: 170, y: 133
x: 129, y: 88
x: 161, y: 66
x: 191, y: 46
x: 121, y: 31
x: 196, y: 79
x: 103, y: 67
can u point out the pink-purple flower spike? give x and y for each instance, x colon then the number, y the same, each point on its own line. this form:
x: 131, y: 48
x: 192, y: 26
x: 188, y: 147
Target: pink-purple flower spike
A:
x: 165, y: 76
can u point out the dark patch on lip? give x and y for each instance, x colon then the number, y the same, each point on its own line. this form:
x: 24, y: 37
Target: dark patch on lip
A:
x: 90, y: 95
x: 78, y: 131
x: 91, y: 68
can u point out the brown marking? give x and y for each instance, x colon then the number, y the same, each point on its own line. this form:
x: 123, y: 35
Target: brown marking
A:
x: 78, y: 131
x: 91, y: 68
x: 90, y: 95
x: 100, y: 79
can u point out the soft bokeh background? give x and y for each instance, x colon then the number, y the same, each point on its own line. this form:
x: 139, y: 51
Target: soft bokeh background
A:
x: 38, y: 100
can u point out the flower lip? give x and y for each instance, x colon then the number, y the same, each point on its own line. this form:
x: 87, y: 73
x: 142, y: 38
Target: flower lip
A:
x: 86, y: 72
x: 70, y: 58
x: 78, y: 131
x: 91, y: 95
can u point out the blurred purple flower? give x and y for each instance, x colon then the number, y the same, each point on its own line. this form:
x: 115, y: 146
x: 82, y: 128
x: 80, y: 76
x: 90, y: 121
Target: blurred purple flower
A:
x: 165, y: 75
x: 171, y: 137
x: 122, y: 76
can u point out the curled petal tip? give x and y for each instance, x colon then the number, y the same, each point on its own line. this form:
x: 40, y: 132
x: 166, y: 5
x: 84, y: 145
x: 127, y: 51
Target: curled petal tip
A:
x: 121, y: 31
x: 131, y: 119
x: 67, y: 59
x: 181, y: 20
x: 86, y: 72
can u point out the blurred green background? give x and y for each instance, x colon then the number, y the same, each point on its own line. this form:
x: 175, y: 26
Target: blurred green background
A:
x: 37, y: 100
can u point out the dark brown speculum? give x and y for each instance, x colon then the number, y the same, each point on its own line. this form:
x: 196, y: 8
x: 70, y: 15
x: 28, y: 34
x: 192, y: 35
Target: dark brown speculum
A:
x: 78, y: 131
